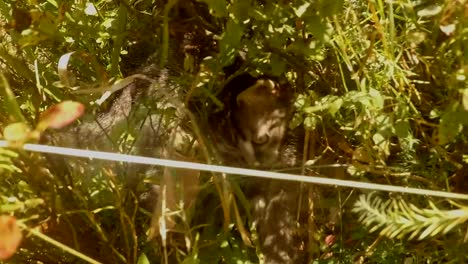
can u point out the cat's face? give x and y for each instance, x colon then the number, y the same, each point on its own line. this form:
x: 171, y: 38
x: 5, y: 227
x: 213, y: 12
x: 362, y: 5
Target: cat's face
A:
x: 261, y: 117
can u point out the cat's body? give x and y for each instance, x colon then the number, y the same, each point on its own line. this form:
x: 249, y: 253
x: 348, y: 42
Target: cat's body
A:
x: 257, y: 114
x: 250, y: 132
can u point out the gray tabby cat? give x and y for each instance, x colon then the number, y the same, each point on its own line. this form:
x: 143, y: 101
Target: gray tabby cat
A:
x: 250, y: 132
x: 259, y: 116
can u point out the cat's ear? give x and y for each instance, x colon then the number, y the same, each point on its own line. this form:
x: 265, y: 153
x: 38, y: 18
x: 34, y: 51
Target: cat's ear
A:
x: 266, y: 87
x: 242, y: 100
x: 263, y: 90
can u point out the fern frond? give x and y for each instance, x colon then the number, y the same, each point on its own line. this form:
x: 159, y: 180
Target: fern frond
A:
x: 397, y: 218
x: 6, y: 162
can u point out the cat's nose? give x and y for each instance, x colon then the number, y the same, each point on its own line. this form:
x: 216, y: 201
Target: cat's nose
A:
x: 261, y: 139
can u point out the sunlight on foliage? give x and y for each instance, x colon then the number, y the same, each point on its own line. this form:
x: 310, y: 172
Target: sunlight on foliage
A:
x: 397, y: 218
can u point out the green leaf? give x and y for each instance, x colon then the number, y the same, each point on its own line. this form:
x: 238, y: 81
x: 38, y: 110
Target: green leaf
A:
x: 377, y: 99
x: 10, y: 104
x: 47, y: 27
x: 451, y: 124
x: 278, y: 65
x: 301, y: 9
x: 5, y: 10
x: 19, y: 65
x: 17, y: 132
x: 239, y: 8
x: 296, y: 121
x: 311, y: 121
x: 335, y: 106
x: 301, y: 102
x: 143, y: 259
x: 230, y: 41
x: 321, y: 30
x: 402, y: 129
x: 191, y: 259
x: 330, y: 8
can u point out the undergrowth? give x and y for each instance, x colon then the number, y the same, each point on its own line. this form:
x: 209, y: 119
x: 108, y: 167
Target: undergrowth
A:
x: 380, y: 86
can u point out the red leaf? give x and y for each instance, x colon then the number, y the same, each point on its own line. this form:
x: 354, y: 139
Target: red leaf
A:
x: 61, y: 115
x: 10, y: 236
x: 330, y: 240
